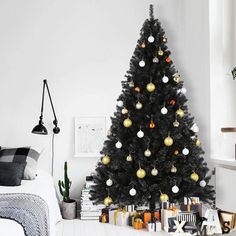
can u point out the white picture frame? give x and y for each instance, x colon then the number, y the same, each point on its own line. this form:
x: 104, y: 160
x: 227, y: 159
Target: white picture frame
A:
x: 90, y: 133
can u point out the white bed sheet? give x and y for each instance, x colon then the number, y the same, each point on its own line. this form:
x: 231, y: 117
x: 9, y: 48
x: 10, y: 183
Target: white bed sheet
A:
x: 42, y: 186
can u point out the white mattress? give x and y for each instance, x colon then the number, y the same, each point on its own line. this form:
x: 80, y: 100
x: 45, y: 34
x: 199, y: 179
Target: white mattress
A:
x: 42, y: 186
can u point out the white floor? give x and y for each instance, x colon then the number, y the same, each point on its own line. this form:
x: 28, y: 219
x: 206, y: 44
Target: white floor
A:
x: 94, y: 228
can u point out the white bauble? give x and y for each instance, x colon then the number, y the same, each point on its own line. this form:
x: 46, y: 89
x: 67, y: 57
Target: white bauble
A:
x: 175, y: 189
x: 129, y: 158
x: 131, y: 84
x: 124, y: 111
x: 120, y: 103
x: 118, y: 144
x: 132, y: 191
x: 109, y: 182
x: 151, y: 39
x: 154, y: 172
x: 165, y: 79
x: 183, y: 90
x: 185, y: 151
x: 202, y: 183
x: 195, y: 128
x: 138, y: 105
x: 164, y: 110
x: 142, y: 63
x: 140, y: 134
x: 147, y: 153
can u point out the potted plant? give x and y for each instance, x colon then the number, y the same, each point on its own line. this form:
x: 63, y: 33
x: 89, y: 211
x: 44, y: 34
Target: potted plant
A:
x: 68, y: 206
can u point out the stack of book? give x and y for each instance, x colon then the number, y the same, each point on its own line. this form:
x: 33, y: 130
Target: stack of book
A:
x: 89, y: 211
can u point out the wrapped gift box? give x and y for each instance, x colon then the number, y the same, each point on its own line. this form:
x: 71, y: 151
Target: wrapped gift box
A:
x: 165, y: 215
x: 138, y: 223
x: 153, y: 226
x: 119, y: 217
x: 147, y: 216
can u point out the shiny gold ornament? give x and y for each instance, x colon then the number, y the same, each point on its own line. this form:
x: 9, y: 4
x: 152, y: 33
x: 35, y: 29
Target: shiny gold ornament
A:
x: 168, y: 141
x: 173, y: 169
x: 198, y: 143
x: 160, y: 52
x: 194, y: 176
x: 141, y: 173
x: 106, y: 160
x: 164, y: 197
x: 180, y: 113
x: 151, y: 125
x: 127, y: 122
x: 176, y: 78
x: 143, y: 45
x: 107, y: 201
x: 150, y: 87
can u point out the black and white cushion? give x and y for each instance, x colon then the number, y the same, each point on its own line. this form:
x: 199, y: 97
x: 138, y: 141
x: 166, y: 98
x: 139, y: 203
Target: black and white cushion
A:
x: 22, y: 155
x: 11, y: 173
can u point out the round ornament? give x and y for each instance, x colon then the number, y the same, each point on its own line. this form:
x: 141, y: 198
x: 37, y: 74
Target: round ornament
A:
x: 164, y: 39
x: 151, y: 125
x: 147, y: 153
x: 198, y: 143
x: 172, y: 102
x: 176, y: 123
x: 143, y: 45
x: 160, y: 52
x: 175, y: 189
x: 165, y: 79
x: 154, y: 172
x: 183, y: 90
x: 164, y: 197
x: 106, y: 160
x: 173, y: 169
x: 168, y: 141
x: 155, y: 60
x: 107, y: 201
x: 151, y: 39
x: 137, y: 89
x: 138, y: 105
x: 124, y: 111
x: 141, y: 173
x: 140, y: 134
x: 127, y: 122
x: 118, y: 144
x: 194, y: 176
x: 132, y: 191
x: 202, y: 183
x: 142, y: 63
x: 180, y: 113
x: 164, y: 110
x: 168, y: 59
x: 176, y: 152
x: 185, y: 151
x: 120, y: 103
x: 150, y: 87
x: 109, y: 182
x: 195, y: 128
x: 131, y: 84
x: 129, y: 158
x: 176, y: 78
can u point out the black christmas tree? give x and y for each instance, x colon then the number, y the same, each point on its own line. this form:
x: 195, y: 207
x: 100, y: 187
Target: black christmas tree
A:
x: 152, y: 152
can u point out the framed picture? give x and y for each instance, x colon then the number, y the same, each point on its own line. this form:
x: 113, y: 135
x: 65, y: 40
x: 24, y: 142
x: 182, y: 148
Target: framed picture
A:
x: 90, y: 133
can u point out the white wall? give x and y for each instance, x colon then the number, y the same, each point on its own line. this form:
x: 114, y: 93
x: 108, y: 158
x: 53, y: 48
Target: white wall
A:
x: 83, y: 48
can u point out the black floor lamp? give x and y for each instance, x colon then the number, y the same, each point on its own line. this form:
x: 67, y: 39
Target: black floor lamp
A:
x: 40, y: 128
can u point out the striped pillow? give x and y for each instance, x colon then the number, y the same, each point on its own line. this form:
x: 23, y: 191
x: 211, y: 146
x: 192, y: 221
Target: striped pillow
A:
x: 22, y: 155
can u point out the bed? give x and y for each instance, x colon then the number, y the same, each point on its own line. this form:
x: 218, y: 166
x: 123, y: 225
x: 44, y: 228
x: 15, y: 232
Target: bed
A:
x: 43, y: 187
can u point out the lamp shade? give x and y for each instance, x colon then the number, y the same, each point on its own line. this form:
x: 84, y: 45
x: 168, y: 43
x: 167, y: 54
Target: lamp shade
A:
x: 40, y: 129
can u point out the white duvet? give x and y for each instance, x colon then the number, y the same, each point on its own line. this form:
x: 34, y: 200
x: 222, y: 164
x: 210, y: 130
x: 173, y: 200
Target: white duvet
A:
x: 42, y: 186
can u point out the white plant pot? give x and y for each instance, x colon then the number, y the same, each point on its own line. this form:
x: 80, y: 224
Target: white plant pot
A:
x: 68, y: 210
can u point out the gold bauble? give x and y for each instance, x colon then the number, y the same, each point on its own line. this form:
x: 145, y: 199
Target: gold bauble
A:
x: 106, y: 160
x: 198, y: 143
x: 180, y: 112
x: 194, y: 176
x: 107, y: 201
x: 143, y: 45
x: 164, y: 197
x: 150, y: 87
x: 160, y: 52
x: 176, y: 78
x: 141, y: 173
x: 127, y: 122
x: 168, y: 141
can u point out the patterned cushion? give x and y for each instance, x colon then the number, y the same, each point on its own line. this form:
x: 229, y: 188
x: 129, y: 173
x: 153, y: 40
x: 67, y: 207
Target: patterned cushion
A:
x: 22, y: 155
x: 11, y: 173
